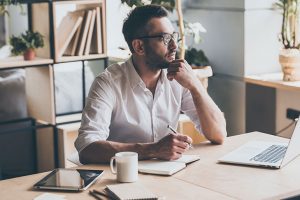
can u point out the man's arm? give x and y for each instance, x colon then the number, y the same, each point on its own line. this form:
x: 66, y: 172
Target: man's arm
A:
x: 168, y: 148
x: 211, y: 118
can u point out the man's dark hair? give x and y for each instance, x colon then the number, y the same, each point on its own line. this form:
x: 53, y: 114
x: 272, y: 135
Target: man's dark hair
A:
x: 136, y: 23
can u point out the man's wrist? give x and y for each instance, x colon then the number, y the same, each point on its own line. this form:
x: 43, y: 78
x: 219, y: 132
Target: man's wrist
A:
x: 146, y: 150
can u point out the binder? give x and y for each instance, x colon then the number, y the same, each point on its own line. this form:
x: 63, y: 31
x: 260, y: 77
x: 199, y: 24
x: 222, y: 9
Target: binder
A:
x: 66, y: 31
x: 90, y: 33
x: 84, y: 32
x: 96, y: 45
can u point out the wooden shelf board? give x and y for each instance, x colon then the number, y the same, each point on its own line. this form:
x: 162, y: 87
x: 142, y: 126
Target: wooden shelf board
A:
x: 203, y: 72
x: 78, y: 2
x: 70, y: 127
x: 18, y: 61
x: 273, y: 80
x: 118, y: 55
x: 78, y: 58
x: 68, y: 118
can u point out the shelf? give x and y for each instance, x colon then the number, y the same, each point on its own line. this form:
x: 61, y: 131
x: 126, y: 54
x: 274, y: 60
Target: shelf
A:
x: 78, y: 58
x: 68, y: 118
x: 18, y: 61
x: 118, y: 55
x: 203, y: 72
x: 273, y: 80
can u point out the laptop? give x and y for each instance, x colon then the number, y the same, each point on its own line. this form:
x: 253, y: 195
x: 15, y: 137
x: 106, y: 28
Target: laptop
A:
x: 265, y: 154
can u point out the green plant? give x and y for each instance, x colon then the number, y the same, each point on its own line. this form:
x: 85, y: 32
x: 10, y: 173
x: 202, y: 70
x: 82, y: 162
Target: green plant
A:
x: 290, y: 20
x: 27, y: 40
x: 196, y: 57
x: 185, y: 28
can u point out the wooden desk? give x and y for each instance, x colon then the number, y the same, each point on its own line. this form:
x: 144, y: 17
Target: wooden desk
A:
x: 204, y: 179
x: 242, y: 182
x: 169, y: 187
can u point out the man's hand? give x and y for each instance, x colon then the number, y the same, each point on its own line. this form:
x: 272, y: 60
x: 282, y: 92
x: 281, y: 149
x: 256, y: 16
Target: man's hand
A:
x: 182, y: 72
x: 172, y: 146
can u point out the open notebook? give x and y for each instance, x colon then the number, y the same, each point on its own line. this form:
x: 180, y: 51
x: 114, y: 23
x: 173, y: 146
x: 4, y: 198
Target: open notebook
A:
x: 168, y: 168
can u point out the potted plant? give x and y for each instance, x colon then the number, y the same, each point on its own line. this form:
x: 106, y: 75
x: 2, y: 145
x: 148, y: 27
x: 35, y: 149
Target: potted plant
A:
x: 26, y: 44
x: 289, y: 56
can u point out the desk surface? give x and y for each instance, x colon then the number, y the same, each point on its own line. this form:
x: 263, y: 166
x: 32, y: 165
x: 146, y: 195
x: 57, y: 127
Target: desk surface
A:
x: 205, y: 179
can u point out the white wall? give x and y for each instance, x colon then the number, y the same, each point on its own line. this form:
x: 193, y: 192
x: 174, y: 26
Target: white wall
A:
x: 241, y: 39
x: 16, y: 15
x: 115, y: 14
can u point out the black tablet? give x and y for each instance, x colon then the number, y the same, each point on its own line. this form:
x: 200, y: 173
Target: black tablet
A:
x: 69, y: 179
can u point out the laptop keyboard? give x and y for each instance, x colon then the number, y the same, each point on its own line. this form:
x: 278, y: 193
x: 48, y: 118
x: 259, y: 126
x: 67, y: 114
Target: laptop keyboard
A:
x: 271, y: 155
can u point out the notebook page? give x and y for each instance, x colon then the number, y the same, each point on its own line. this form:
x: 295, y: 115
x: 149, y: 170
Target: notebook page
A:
x: 160, y: 167
x: 130, y: 191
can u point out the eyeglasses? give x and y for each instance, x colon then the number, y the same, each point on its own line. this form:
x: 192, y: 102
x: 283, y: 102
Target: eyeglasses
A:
x: 165, y: 36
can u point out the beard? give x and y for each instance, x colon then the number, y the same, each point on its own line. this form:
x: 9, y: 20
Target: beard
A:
x: 157, y: 61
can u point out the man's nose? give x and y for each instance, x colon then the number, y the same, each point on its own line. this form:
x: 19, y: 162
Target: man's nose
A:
x: 173, y: 44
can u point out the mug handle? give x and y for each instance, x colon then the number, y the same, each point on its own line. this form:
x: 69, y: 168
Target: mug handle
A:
x: 112, y: 168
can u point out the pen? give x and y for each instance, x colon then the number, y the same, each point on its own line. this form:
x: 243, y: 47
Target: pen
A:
x: 101, y: 193
x: 172, y: 129
x: 95, y: 195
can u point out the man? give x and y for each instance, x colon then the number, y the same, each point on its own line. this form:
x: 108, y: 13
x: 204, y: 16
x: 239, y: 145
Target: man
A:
x: 130, y: 105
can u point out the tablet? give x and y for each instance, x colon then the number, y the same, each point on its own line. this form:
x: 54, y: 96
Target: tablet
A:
x: 69, y: 179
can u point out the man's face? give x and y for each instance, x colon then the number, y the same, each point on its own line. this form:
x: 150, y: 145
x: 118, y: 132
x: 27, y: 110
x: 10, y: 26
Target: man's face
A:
x: 158, y: 53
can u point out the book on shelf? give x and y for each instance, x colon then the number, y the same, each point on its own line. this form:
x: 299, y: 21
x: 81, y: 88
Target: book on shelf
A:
x: 90, y: 33
x: 66, y: 31
x: 84, y: 32
x: 96, y: 45
x: 129, y: 191
x: 71, y: 49
x: 167, y: 168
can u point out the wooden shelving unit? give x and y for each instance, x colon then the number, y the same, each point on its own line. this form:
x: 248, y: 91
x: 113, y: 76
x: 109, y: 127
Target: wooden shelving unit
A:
x: 45, y: 17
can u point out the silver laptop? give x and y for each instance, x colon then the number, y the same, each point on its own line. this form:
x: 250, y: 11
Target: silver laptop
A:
x: 266, y: 154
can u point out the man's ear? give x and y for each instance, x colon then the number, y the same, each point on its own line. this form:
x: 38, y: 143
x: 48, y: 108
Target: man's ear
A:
x: 138, y: 46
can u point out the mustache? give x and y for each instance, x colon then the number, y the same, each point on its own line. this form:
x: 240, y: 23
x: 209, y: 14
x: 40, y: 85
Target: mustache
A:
x: 166, y: 64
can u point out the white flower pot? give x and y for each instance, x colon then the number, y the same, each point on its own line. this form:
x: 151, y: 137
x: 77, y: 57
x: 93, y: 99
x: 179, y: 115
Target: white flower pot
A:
x: 290, y: 64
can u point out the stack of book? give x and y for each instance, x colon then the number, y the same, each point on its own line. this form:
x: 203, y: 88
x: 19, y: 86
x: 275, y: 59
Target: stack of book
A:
x: 79, y: 33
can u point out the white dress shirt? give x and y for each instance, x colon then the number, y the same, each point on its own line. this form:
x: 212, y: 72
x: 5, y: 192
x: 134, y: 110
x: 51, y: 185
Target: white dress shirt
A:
x: 120, y: 108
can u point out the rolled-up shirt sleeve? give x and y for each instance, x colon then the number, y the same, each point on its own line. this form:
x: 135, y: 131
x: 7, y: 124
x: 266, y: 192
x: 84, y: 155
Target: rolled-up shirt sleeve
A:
x: 189, y: 109
x: 96, y: 115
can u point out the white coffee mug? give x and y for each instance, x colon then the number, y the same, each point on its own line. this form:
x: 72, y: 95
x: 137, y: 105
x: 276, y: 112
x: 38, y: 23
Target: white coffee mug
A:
x: 126, y: 166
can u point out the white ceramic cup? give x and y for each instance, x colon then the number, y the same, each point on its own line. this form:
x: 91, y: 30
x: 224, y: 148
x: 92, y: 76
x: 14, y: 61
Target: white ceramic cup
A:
x: 126, y: 166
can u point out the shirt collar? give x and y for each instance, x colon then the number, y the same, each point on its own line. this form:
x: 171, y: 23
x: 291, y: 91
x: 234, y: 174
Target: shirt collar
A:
x: 132, y: 75
x: 135, y: 79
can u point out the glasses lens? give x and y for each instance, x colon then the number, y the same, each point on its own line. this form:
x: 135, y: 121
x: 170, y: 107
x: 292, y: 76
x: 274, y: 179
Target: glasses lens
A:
x: 167, y: 38
x: 175, y: 36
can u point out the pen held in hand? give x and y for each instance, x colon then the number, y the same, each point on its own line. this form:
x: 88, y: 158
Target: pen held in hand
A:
x: 172, y: 129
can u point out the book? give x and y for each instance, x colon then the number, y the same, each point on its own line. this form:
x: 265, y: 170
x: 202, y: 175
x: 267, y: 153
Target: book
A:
x: 96, y: 45
x: 71, y: 49
x: 84, y: 32
x: 167, y: 168
x: 129, y: 191
x: 90, y: 33
x: 66, y: 31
